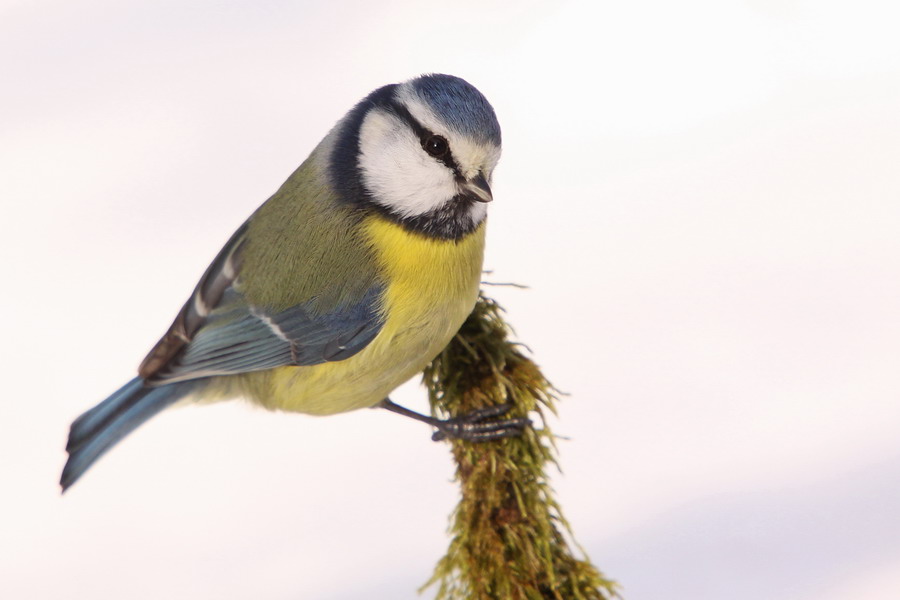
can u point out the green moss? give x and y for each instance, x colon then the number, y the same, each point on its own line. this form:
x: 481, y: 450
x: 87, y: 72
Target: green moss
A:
x: 509, y: 537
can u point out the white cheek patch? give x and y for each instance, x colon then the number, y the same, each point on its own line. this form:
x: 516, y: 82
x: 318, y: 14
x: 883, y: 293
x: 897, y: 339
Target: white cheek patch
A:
x: 395, y: 169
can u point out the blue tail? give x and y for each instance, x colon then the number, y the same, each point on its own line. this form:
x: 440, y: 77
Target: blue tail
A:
x: 103, y: 426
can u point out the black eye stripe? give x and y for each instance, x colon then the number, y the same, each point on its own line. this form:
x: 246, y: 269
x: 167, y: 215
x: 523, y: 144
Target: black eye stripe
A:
x: 423, y: 134
x: 403, y: 112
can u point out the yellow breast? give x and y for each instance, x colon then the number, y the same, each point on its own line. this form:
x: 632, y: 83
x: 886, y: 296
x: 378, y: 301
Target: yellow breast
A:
x: 431, y: 289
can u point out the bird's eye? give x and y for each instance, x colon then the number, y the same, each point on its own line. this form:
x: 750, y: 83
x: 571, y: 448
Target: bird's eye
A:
x: 436, y: 146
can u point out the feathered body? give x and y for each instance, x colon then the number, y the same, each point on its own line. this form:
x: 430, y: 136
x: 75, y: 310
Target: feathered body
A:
x: 429, y: 288
x: 341, y: 286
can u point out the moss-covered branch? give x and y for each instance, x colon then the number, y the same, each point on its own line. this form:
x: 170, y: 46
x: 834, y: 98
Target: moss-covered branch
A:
x: 509, y: 535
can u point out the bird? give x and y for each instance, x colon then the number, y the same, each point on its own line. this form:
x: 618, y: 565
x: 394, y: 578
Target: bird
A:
x: 344, y: 284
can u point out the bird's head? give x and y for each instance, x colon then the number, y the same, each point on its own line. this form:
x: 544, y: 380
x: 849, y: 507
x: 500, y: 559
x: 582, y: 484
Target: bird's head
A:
x: 422, y: 153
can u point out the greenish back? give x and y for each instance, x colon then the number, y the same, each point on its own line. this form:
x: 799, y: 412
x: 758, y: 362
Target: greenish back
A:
x: 305, y: 247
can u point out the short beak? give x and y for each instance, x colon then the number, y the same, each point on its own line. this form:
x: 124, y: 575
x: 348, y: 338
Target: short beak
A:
x: 478, y: 188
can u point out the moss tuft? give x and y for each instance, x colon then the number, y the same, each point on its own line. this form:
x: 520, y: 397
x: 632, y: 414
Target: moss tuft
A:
x: 509, y: 537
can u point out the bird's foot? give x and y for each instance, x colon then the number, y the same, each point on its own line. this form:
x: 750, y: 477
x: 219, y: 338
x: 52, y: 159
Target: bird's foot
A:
x: 480, y: 425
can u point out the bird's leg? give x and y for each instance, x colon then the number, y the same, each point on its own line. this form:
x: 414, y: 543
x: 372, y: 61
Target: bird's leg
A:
x: 476, y: 426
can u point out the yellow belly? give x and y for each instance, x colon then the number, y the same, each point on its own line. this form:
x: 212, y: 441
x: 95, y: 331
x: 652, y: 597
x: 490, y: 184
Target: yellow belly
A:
x: 432, y: 287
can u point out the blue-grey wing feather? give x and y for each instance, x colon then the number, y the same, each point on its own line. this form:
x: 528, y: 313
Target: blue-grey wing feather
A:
x: 237, y: 337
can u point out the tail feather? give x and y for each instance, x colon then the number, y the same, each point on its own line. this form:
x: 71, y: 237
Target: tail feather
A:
x: 89, y: 423
x: 102, y: 427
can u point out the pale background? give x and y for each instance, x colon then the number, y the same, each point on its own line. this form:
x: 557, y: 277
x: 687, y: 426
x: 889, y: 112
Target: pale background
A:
x: 703, y: 196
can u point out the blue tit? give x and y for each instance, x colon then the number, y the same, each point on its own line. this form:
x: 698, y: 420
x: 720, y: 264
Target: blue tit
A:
x: 341, y: 286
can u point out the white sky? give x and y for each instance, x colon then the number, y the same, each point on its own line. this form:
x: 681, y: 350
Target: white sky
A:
x: 703, y: 196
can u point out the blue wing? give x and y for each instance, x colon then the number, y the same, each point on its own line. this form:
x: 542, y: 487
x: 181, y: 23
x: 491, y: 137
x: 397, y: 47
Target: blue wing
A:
x: 218, y: 332
x: 237, y: 337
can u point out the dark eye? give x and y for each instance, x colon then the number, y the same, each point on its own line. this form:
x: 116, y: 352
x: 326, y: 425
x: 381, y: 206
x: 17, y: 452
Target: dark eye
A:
x: 436, y: 146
